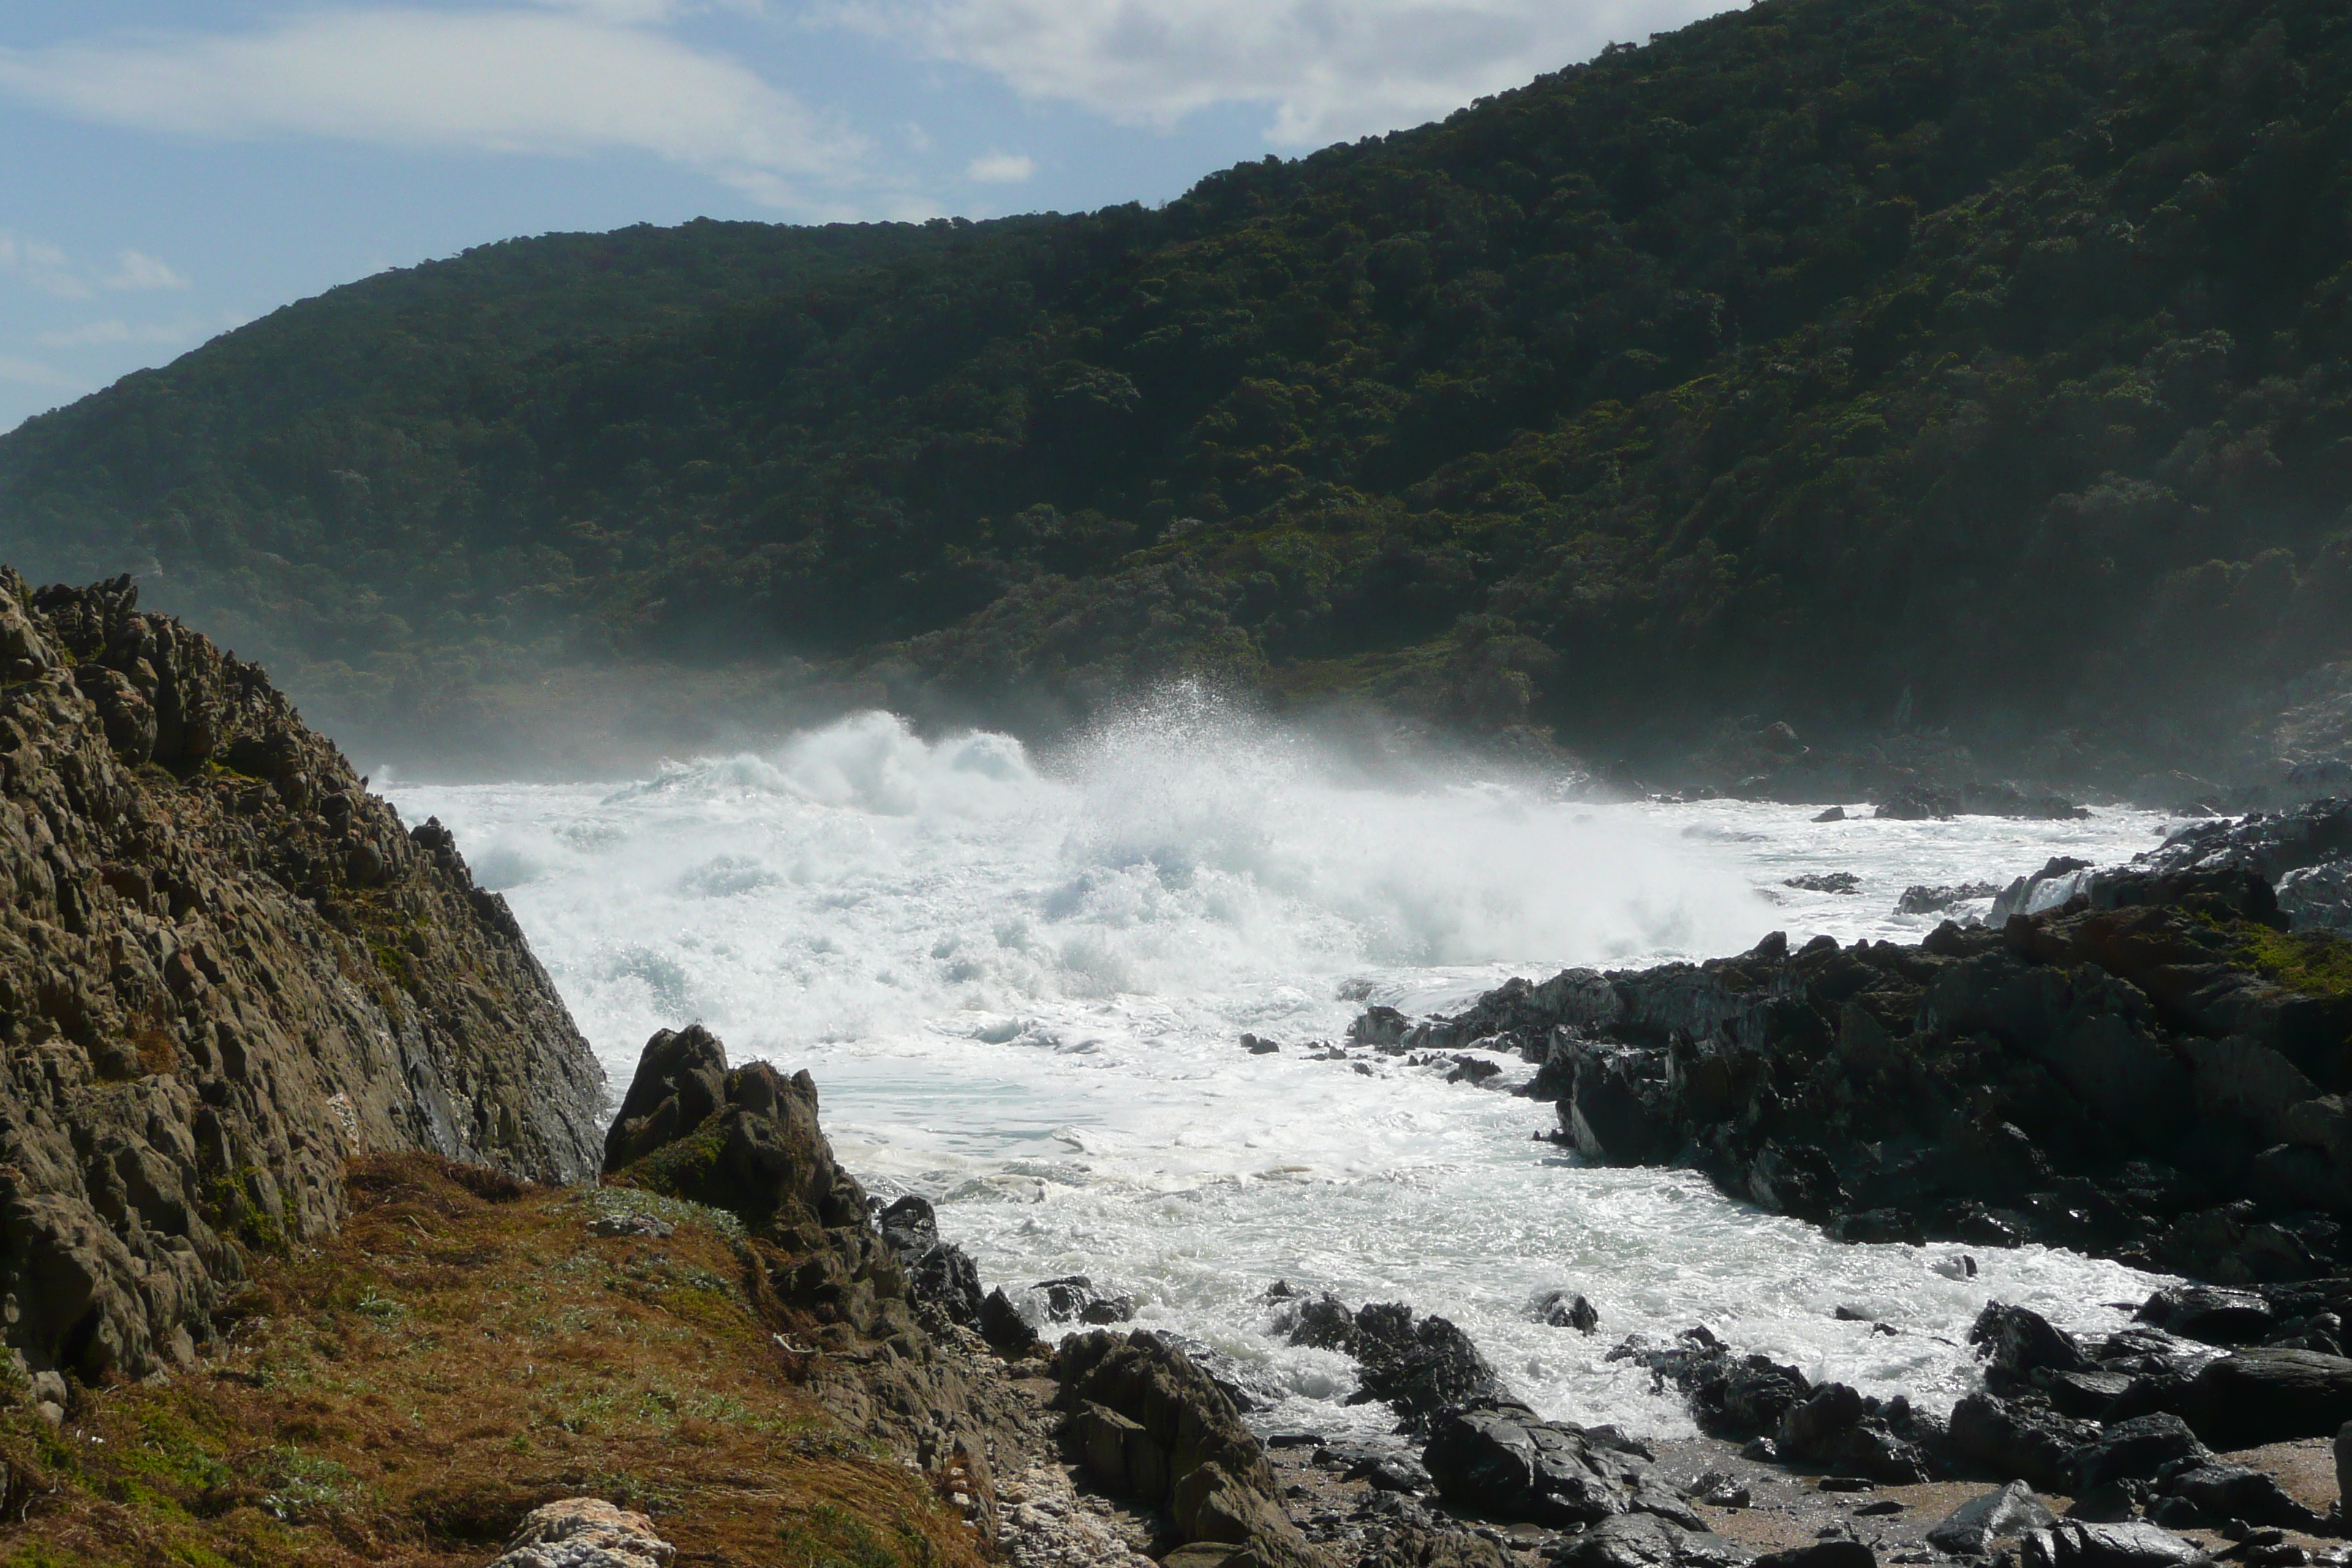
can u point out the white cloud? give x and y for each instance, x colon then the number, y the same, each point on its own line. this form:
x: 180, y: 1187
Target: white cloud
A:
x: 563, y: 81
x: 117, y: 332
x: 1002, y: 168
x: 32, y: 373
x: 42, y: 265
x: 137, y: 269
x: 1329, y: 68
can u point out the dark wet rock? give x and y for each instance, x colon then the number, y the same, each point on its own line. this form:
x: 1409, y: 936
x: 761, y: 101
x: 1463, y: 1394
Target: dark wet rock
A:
x: 2265, y: 1396
x: 1074, y: 1299
x: 1259, y: 1047
x: 1731, y: 1396
x: 1970, y: 1529
x: 1499, y: 1459
x: 2105, y: 1069
x: 2022, y: 1438
x: 2234, y: 1491
x: 1918, y: 802
x: 1567, y: 1310
x: 1834, y: 813
x: 2091, y: 1396
x: 1651, y: 1498
x: 940, y: 1274
x: 1148, y: 1425
x: 1417, y: 1366
x: 1826, y: 882
x: 2138, y: 1450
x: 1833, y: 1554
x: 1390, y: 1472
x: 2111, y: 1502
x: 2217, y: 1317
x: 1922, y: 899
x: 1382, y: 1028
x: 1473, y: 1069
x: 226, y: 970
x: 1002, y: 1324
x: 2076, y: 1543
x: 1645, y: 1540
x: 1859, y: 1436
x: 1429, y: 1544
x: 2018, y: 1343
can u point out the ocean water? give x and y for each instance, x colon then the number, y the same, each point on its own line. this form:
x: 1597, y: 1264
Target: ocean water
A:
x: 1020, y: 982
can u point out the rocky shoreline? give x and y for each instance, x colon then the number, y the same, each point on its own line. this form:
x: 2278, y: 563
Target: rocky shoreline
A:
x: 233, y: 984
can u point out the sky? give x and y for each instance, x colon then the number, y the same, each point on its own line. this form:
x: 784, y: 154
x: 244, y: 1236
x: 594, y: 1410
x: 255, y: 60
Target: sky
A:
x: 178, y: 168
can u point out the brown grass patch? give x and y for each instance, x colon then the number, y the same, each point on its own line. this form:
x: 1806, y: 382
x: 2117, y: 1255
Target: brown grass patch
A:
x: 464, y: 1351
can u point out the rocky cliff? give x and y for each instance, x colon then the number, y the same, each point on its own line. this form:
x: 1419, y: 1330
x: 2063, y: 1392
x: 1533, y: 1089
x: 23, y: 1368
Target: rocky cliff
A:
x: 224, y: 969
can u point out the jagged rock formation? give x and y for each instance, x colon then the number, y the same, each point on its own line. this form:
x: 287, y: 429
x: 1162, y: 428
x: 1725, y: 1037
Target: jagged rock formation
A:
x: 1148, y: 1425
x: 746, y: 1140
x: 2147, y: 1064
x: 224, y: 968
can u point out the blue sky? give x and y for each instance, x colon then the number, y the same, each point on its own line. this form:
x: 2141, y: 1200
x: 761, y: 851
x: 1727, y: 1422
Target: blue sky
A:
x: 176, y: 169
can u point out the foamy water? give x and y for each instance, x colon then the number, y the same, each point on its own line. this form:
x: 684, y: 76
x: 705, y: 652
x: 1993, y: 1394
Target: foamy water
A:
x: 1020, y: 982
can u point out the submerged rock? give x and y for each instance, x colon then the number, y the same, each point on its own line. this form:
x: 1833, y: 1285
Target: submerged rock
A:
x: 1417, y: 1366
x: 1567, y: 1310
x: 1074, y: 1299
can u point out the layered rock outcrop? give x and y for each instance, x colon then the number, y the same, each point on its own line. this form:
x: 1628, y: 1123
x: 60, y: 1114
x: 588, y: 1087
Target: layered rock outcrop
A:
x: 224, y: 968
x: 884, y: 1359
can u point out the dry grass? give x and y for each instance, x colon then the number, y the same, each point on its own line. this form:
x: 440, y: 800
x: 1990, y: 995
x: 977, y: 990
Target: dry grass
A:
x: 462, y: 1352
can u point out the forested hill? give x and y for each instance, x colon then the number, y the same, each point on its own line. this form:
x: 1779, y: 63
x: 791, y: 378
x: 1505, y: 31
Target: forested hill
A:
x: 1996, y: 349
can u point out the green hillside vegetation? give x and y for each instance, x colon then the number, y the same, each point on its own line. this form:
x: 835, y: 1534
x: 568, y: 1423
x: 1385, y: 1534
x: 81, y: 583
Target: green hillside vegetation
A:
x: 1995, y: 349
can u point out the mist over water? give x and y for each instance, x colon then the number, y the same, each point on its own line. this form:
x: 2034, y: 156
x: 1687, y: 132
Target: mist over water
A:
x: 1019, y: 982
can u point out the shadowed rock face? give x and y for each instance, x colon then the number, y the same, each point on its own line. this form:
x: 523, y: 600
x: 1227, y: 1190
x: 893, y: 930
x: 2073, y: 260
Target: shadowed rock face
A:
x: 224, y: 968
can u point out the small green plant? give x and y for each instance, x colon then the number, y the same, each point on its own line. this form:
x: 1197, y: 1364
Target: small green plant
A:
x: 306, y: 1487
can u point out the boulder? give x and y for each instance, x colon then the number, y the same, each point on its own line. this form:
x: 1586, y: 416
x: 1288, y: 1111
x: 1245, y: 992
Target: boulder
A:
x: 1645, y: 1540
x: 1918, y: 802
x: 2264, y: 1396
x: 2017, y: 1343
x: 1830, y: 1554
x: 1992, y: 1436
x: 746, y: 1140
x: 2136, y: 1450
x: 584, y: 1532
x: 1567, y: 1310
x: 1970, y: 1529
x: 940, y: 1274
x: 1074, y: 1299
x: 2076, y: 1543
x: 2221, y: 1492
x: 1149, y: 1425
x: 681, y: 1079
x: 1500, y: 1459
x: 1419, y: 1546
x: 1418, y: 1366
x: 1002, y: 1324
x: 1838, y: 1426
